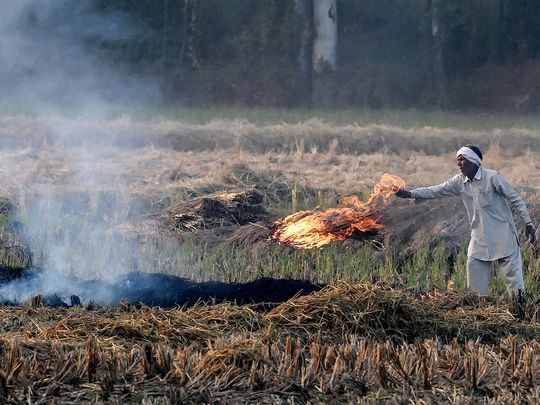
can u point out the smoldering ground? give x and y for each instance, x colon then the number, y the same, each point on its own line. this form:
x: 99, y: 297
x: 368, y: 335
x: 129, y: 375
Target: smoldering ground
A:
x: 145, y: 289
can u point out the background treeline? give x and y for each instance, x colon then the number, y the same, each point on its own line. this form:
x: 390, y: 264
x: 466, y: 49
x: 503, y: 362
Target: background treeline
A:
x: 456, y: 54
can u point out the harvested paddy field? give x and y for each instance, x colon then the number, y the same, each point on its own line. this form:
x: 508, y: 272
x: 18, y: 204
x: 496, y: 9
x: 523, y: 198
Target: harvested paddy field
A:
x: 367, y: 344
x: 377, y: 317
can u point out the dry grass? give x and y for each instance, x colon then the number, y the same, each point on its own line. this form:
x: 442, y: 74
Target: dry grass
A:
x: 345, y: 343
x: 348, y: 343
x: 163, y: 157
x: 127, y: 169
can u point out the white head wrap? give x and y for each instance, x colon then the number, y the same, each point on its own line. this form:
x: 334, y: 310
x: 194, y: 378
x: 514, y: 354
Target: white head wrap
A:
x: 470, y: 155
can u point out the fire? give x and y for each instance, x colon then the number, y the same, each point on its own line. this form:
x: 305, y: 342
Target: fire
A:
x: 311, y: 229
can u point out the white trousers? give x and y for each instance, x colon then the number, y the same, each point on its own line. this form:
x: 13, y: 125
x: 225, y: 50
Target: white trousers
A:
x: 479, y: 273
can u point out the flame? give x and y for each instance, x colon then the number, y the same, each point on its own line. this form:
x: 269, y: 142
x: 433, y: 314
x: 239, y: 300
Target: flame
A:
x: 311, y: 229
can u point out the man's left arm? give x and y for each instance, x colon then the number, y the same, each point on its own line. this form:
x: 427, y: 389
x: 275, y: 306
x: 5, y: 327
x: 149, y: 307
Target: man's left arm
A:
x: 517, y: 203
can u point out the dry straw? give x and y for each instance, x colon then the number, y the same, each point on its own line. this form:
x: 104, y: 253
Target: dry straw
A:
x: 366, y: 344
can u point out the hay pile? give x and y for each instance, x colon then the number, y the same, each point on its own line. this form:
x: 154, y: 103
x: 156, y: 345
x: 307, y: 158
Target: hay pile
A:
x: 345, y: 310
x: 413, y: 224
x: 382, y: 312
x: 334, y: 313
x: 273, y: 185
x: 215, y: 210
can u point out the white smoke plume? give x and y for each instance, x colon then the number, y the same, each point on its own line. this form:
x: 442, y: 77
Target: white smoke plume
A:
x: 52, y: 65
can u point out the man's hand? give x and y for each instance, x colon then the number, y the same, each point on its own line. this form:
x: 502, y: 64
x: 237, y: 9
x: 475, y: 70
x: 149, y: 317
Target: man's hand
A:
x: 401, y: 192
x: 530, y: 232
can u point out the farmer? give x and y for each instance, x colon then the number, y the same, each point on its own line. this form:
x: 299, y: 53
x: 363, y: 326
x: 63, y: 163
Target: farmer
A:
x: 494, y: 238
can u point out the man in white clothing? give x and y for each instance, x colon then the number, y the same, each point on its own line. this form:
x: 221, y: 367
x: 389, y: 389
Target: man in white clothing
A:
x: 494, y: 239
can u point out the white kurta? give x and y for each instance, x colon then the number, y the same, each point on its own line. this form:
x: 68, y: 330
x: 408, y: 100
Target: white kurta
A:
x: 486, y: 198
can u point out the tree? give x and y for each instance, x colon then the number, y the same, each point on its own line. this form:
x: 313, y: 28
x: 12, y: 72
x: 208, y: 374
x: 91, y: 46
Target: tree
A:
x: 324, y: 46
x: 438, y: 75
x: 324, y: 51
x: 304, y: 21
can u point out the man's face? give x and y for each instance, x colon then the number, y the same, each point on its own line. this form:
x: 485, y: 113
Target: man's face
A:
x: 466, y: 167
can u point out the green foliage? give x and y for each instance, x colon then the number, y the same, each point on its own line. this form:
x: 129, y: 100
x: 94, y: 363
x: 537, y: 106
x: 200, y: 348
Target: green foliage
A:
x: 426, y: 269
x: 531, y: 273
x: 410, y: 118
x: 459, y: 274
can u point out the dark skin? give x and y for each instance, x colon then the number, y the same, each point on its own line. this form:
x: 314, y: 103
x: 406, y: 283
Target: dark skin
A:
x: 466, y: 167
x: 469, y: 170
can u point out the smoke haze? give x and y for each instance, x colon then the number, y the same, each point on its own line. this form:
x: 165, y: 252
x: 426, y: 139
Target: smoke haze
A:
x: 50, y: 52
x: 51, y: 65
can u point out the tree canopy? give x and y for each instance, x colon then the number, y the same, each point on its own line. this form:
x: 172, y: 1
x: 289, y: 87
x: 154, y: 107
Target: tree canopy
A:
x: 247, y: 52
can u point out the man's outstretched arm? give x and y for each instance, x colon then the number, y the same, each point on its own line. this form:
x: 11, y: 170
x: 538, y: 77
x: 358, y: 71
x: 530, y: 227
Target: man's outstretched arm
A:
x: 449, y: 188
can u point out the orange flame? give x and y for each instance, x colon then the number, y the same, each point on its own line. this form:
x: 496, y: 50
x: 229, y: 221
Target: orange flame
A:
x: 310, y: 229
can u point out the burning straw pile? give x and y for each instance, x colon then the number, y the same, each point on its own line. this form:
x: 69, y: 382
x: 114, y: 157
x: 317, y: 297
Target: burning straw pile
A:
x: 345, y: 343
x: 354, y: 219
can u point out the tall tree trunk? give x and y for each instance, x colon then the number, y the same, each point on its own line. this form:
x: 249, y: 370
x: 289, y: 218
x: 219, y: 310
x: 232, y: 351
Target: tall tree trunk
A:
x: 324, y: 47
x: 304, y: 16
x: 438, y: 74
x: 501, y: 26
x: 164, y: 39
x: 324, y: 52
x: 181, y: 78
x: 185, y: 23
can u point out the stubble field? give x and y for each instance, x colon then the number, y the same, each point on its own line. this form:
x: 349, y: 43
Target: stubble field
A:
x: 393, y: 323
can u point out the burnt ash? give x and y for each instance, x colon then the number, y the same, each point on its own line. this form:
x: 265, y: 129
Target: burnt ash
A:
x: 167, y: 290
x: 149, y: 289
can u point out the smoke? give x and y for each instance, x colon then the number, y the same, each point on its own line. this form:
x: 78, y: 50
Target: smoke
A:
x: 54, y: 66
x: 58, y: 287
x: 52, y: 56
